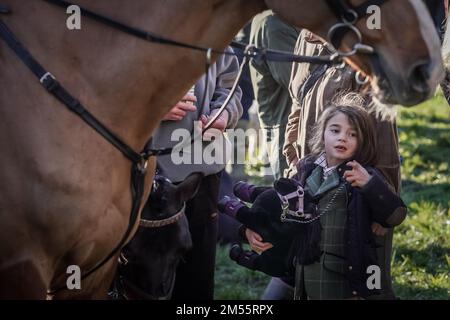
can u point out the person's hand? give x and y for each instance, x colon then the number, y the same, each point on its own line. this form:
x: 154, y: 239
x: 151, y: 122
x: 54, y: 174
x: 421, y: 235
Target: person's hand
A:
x: 358, y: 176
x: 220, y: 124
x: 256, y: 241
x: 180, y: 110
x: 378, y: 229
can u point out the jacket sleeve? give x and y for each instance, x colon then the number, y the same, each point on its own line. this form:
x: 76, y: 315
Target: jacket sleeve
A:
x: 387, y: 208
x: 281, y: 37
x: 309, y: 45
x: 227, y: 71
x: 290, y: 150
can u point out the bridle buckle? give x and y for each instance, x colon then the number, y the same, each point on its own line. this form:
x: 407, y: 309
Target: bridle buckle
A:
x: 143, y: 163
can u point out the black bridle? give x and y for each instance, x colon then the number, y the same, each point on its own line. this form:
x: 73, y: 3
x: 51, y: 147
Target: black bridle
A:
x: 140, y: 159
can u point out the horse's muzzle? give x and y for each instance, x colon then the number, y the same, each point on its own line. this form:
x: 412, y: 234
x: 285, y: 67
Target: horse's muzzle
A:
x: 415, y: 86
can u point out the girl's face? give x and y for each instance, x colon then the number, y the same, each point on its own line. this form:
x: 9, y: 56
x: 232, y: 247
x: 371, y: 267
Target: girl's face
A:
x: 340, y: 140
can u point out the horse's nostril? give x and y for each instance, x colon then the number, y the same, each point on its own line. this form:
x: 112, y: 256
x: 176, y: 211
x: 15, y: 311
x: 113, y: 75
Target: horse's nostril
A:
x: 419, y: 76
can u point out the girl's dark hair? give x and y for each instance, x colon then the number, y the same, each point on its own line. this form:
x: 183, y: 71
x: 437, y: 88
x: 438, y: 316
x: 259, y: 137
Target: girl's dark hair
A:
x: 350, y: 105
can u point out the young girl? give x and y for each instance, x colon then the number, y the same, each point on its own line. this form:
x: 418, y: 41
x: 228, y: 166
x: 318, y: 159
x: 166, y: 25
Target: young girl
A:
x: 336, y: 253
x: 351, y: 195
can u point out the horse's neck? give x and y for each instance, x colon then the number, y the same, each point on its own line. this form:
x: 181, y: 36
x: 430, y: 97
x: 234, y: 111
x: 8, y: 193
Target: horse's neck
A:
x: 127, y: 82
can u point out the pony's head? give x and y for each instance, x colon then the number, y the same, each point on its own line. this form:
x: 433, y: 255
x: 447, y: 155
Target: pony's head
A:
x: 406, y: 65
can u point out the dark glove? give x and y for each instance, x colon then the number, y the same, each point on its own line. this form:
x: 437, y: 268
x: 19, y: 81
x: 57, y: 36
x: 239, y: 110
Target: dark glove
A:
x: 230, y: 206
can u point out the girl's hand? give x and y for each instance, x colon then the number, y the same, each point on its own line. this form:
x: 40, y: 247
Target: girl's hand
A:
x: 255, y: 241
x: 358, y: 176
x: 378, y: 229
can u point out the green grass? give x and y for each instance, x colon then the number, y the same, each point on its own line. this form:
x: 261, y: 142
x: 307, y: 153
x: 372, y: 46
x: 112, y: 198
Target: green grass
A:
x: 421, y: 264
x: 421, y: 254
x: 235, y: 282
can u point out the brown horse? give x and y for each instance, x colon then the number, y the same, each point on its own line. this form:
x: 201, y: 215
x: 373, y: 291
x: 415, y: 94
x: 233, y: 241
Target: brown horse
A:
x: 64, y: 193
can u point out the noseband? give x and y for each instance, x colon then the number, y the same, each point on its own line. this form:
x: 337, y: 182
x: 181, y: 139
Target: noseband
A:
x: 163, y: 222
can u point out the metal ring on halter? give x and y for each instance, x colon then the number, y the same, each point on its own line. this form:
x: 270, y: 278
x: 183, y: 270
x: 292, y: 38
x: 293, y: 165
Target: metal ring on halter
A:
x: 338, y: 78
x: 338, y: 26
x: 350, y: 27
x: 354, y: 18
x: 358, y: 78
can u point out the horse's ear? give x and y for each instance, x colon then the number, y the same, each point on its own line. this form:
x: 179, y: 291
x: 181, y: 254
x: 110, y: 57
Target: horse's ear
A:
x: 190, y: 186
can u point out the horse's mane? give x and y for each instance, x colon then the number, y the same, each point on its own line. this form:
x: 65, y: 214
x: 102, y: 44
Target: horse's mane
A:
x: 382, y: 111
x: 385, y: 112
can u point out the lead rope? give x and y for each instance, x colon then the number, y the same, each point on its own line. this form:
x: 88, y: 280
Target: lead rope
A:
x: 284, y: 218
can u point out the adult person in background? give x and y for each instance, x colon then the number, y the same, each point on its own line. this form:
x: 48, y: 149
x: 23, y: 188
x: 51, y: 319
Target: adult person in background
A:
x: 271, y: 87
x: 195, y: 275
x: 271, y: 83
